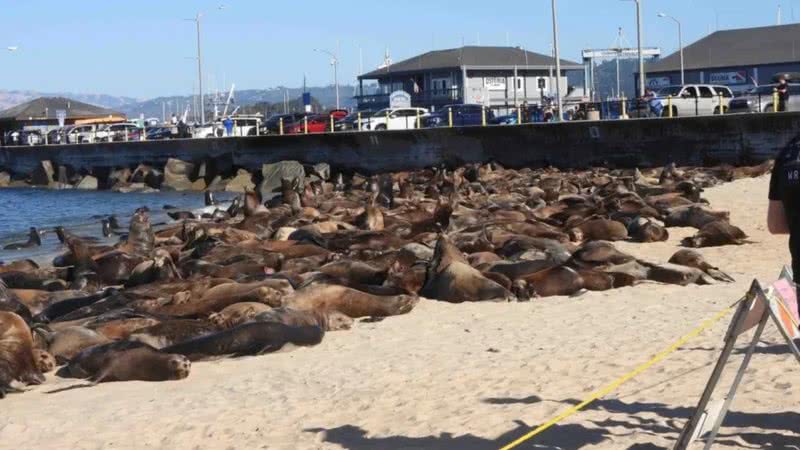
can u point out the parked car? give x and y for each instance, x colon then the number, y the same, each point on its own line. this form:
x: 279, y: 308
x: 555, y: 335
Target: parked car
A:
x: 23, y: 137
x: 273, y: 124
x: 693, y: 99
x: 760, y: 99
x: 158, y: 133
x: 80, y: 134
x: 395, y: 119
x: 243, y: 125
x: 508, y: 119
x: 55, y: 136
x: 463, y: 115
x: 318, y: 123
x: 350, y: 122
x: 118, y: 132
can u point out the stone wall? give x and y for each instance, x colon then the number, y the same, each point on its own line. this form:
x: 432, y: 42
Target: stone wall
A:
x: 734, y: 139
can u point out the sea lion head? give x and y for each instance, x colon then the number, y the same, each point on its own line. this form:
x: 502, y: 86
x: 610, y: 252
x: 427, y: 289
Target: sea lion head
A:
x: 178, y: 367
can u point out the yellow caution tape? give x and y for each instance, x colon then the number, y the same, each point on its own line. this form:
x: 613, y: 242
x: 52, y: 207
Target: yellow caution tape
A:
x: 625, y: 378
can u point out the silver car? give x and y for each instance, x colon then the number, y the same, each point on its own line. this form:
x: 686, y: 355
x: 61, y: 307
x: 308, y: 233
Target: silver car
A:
x: 760, y: 99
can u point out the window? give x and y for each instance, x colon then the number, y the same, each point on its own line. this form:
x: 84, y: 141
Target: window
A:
x: 726, y: 93
x: 690, y: 92
x: 705, y: 92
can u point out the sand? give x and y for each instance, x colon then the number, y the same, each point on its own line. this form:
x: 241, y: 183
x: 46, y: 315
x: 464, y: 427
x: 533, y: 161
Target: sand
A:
x: 471, y: 376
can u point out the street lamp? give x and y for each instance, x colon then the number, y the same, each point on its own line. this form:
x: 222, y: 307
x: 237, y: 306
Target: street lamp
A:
x: 558, y: 63
x: 680, y: 42
x: 335, y: 64
x: 639, y: 44
x: 196, y: 20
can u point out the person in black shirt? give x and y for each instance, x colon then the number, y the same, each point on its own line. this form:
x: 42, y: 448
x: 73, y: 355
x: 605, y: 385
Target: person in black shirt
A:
x: 783, y: 216
x: 783, y: 94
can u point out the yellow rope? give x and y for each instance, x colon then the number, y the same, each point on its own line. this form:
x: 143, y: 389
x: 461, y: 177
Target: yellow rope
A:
x: 622, y: 380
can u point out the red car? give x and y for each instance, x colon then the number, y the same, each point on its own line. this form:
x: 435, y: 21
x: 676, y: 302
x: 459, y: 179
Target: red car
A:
x: 319, y: 123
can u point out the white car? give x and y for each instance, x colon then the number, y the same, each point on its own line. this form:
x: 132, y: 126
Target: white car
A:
x: 395, y: 119
x: 694, y: 99
x: 244, y: 125
x: 80, y: 134
x: 118, y: 132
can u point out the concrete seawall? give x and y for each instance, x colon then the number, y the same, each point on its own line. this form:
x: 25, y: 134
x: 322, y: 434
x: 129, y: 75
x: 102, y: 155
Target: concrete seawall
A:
x: 735, y: 139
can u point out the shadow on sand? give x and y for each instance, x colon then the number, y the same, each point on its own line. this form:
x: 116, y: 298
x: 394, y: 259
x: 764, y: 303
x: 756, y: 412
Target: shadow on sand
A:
x: 781, y: 430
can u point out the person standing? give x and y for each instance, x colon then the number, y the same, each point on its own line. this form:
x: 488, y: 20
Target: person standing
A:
x: 783, y: 94
x: 783, y: 214
x: 228, y: 123
x: 174, y: 120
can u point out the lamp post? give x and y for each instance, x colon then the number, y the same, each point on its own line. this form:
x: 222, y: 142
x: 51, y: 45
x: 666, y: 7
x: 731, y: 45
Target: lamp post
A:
x: 680, y: 42
x: 335, y: 64
x: 558, y: 62
x: 639, y: 45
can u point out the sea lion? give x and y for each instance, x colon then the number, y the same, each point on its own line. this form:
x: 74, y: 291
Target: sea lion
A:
x: 691, y: 258
x: 602, y: 230
x: 122, y: 328
x: 44, y: 360
x: 21, y: 265
x: 237, y: 314
x: 644, y: 230
x: 9, y: 302
x: 66, y: 343
x: 34, y: 240
x: 350, y: 302
x: 143, y: 364
x: 556, y: 281
x: 327, y: 320
x: 599, y: 253
x: 716, y: 234
x: 449, y: 277
x: 215, y: 299
x: 173, y: 331
x: 17, y: 359
x: 695, y: 216
x: 126, y: 361
x: 247, y: 339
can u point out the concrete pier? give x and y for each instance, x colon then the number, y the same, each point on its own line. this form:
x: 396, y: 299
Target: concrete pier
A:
x: 734, y: 139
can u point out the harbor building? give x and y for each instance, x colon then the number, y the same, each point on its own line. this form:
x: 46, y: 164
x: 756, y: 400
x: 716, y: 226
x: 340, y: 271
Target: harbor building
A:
x: 496, y: 77
x: 43, y: 113
x: 739, y: 59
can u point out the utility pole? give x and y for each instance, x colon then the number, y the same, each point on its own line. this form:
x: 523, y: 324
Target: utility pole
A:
x: 559, y: 102
x: 680, y: 42
x: 639, y: 45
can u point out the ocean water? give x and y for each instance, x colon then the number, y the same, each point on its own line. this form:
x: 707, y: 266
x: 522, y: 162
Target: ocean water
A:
x: 80, y: 212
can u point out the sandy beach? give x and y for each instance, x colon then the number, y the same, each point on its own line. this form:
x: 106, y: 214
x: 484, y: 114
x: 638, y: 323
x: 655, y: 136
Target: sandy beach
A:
x: 468, y: 376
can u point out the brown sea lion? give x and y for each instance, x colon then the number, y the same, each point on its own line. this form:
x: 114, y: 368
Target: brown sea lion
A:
x: 214, y: 300
x: 691, y: 258
x: 17, y: 359
x: 66, y: 343
x: 143, y: 364
x: 556, y: 281
x: 122, y: 328
x: 44, y: 360
x: 237, y: 314
x: 173, y: 331
x: 716, y: 234
x: 126, y: 361
x: 22, y: 265
x: 252, y: 338
x: 602, y: 230
x: 599, y: 253
x: 644, y: 230
x: 350, y: 302
x: 327, y: 320
x: 695, y: 216
x: 450, y: 278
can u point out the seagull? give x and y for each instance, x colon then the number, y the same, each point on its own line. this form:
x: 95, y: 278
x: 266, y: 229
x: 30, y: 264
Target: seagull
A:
x: 12, y: 49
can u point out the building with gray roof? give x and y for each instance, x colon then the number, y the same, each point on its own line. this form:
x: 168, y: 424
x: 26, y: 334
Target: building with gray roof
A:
x: 739, y: 58
x: 43, y: 113
x: 496, y: 77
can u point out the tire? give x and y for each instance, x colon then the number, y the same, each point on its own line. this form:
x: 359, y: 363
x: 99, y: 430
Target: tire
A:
x: 380, y: 127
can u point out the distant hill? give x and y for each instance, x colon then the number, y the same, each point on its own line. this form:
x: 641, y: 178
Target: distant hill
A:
x: 13, y: 98
x: 326, y: 96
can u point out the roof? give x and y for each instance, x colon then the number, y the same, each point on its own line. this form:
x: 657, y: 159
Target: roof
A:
x: 46, y: 107
x: 736, y: 48
x: 472, y: 56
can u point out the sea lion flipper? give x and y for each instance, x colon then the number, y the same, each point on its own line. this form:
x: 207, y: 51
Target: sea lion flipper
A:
x: 720, y: 275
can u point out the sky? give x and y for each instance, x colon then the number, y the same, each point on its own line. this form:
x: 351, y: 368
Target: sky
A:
x: 147, y: 48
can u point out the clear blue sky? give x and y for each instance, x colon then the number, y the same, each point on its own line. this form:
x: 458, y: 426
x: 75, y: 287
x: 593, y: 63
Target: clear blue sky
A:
x: 142, y: 48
